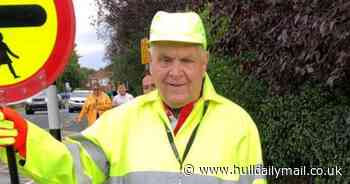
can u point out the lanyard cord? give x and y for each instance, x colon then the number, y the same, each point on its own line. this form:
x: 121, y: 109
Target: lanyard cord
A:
x: 190, y: 141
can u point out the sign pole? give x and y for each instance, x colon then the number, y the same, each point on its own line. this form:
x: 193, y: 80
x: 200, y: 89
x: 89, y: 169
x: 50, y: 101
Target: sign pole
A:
x: 54, y: 113
x: 11, y: 159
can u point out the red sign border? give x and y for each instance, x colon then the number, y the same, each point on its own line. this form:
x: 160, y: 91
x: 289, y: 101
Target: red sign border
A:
x: 56, y: 62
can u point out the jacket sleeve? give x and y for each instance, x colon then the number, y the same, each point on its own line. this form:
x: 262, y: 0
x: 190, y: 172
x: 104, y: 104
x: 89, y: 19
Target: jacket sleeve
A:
x: 250, y: 153
x: 85, y: 107
x: 50, y: 161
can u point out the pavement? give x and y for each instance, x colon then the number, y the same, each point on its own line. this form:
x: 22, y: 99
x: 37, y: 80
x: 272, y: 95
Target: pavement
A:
x: 5, y: 178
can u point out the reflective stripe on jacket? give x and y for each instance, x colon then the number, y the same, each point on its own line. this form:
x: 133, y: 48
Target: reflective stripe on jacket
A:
x: 129, y: 145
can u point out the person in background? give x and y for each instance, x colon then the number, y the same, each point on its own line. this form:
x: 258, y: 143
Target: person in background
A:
x: 95, y: 105
x: 122, y: 96
x: 148, y: 83
x: 110, y: 91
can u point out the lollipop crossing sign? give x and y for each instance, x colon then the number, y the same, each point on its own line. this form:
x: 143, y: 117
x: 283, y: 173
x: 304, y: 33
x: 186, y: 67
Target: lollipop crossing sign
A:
x: 36, y: 41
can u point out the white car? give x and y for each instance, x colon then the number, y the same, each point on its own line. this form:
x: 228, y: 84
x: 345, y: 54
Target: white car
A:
x: 38, y: 102
x: 77, y: 99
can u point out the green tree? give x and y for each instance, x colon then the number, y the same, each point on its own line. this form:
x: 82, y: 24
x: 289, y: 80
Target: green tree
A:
x: 128, y: 68
x: 85, y: 72
x: 73, y: 74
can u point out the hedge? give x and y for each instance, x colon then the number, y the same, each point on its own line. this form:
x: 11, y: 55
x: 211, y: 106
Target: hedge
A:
x: 310, y: 128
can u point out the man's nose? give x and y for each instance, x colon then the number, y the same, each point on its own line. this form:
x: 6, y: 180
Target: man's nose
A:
x: 176, y: 69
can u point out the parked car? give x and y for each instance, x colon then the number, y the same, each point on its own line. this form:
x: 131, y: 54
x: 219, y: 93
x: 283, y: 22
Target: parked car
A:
x: 39, y: 103
x: 77, y: 99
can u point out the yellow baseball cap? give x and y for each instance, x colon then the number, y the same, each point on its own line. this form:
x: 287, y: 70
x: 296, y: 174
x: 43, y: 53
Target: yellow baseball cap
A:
x: 179, y: 27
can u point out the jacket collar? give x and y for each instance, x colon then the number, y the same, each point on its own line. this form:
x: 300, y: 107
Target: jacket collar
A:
x: 208, y: 91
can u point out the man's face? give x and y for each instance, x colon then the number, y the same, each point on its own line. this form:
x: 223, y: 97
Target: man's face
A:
x: 178, y: 70
x: 148, y: 84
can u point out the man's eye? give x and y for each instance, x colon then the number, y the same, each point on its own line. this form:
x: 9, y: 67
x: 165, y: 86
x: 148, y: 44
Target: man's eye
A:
x: 165, y: 60
x: 187, y: 61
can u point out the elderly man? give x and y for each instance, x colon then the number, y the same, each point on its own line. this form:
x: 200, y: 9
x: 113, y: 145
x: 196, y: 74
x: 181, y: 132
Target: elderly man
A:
x: 167, y: 136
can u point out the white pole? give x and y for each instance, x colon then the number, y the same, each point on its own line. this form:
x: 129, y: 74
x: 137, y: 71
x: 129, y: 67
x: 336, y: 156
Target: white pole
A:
x: 55, y: 124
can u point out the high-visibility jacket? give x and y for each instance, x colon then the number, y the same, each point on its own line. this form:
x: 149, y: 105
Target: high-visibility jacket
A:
x: 132, y: 144
x: 95, y: 106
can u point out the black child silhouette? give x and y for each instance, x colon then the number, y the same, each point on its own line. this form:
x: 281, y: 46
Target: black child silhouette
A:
x: 4, y: 58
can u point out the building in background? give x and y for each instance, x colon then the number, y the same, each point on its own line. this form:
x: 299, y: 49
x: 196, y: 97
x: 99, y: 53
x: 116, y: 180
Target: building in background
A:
x: 103, y: 77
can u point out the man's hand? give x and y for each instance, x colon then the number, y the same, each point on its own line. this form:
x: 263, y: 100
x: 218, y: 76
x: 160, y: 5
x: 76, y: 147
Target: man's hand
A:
x: 7, y: 132
x: 77, y: 120
x: 13, y: 130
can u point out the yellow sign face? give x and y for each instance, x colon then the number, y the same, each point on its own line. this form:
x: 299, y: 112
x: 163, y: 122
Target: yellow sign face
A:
x: 25, y: 46
x: 145, y: 55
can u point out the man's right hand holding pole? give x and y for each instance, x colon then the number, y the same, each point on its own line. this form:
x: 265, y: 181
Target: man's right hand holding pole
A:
x: 13, y: 131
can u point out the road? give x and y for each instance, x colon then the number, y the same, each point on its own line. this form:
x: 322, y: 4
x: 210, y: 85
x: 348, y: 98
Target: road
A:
x: 41, y: 119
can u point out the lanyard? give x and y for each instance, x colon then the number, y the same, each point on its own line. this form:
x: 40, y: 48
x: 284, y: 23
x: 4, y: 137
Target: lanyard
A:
x: 190, y: 141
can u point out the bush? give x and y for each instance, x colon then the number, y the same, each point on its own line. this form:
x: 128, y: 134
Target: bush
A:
x: 310, y: 128
x: 230, y: 82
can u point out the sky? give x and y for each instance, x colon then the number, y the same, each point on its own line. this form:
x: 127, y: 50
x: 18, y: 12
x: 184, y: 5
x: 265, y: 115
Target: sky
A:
x: 89, y: 47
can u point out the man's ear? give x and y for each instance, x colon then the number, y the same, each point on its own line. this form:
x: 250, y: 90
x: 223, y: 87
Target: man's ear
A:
x: 151, y: 67
x: 151, y: 54
x: 207, y: 56
x: 205, y: 60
